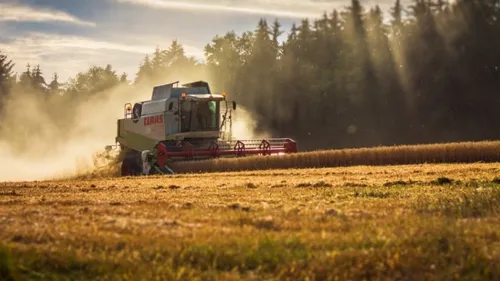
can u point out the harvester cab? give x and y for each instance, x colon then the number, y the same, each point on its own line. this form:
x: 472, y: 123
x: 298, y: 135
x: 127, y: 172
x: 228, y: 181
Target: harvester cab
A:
x: 184, y: 123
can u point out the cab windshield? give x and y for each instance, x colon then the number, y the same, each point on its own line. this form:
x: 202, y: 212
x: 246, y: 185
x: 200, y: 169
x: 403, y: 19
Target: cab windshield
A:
x: 199, y: 116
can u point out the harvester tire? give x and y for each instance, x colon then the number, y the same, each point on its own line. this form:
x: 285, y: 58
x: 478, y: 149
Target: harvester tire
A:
x: 131, y: 165
x: 125, y: 169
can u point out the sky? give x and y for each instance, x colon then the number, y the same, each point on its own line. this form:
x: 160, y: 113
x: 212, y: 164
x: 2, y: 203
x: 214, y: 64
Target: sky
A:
x: 69, y: 36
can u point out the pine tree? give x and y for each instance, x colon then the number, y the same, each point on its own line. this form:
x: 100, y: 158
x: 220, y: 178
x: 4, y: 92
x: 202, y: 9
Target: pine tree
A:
x: 38, y: 80
x: 397, y: 14
x: 26, y: 79
x: 157, y: 61
x: 145, y: 71
x: 6, y: 76
x: 55, y: 86
x: 124, y: 78
x: 293, y: 33
x: 276, y: 33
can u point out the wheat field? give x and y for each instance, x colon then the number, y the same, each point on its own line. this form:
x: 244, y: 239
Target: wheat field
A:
x: 461, y: 152
x: 412, y: 222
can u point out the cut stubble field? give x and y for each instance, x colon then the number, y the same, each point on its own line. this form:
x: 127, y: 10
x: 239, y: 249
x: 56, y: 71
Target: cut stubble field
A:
x: 413, y: 222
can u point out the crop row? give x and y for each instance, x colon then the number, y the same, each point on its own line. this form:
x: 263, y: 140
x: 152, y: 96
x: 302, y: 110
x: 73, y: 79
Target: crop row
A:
x: 462, y: 152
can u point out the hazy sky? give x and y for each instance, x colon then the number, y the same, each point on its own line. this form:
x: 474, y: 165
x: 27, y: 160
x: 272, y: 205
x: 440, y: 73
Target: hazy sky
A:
x: 68, y: 36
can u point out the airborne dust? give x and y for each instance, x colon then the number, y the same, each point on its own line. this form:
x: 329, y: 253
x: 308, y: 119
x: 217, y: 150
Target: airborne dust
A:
x: 43, y: 139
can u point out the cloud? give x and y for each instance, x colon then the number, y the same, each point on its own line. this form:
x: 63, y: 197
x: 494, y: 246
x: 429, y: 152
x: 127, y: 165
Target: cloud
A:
x: 68, y: 54
x: 22, y: 13
x: 280, y: 8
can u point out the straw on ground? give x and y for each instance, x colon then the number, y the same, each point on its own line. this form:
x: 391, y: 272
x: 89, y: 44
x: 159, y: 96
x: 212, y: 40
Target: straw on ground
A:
x: 413, y: 222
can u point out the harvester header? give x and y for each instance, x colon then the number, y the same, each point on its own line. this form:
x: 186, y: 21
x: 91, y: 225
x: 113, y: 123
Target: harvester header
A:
x: 182, y: 124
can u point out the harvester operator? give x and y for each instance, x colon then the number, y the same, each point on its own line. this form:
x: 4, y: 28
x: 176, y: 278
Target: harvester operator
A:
x: 203, y: 115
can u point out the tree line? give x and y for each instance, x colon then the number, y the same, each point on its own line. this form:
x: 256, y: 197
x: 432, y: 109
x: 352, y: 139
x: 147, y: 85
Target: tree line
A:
x: 350, y: 78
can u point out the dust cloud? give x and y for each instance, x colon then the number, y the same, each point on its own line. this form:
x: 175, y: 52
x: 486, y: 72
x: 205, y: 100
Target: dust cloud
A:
x: 43, y: 139
x: 245, y: 126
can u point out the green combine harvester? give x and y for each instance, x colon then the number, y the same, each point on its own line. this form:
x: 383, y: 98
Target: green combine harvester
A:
x: 184, y: 124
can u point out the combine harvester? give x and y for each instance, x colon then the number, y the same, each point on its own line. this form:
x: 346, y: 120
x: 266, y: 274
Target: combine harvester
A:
x: 184, y: 124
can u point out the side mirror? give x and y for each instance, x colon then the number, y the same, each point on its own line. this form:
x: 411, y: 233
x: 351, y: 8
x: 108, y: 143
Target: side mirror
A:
x: 234, y: 105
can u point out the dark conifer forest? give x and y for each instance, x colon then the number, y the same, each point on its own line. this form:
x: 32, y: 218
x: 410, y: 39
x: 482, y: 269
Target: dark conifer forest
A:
x: 350, y: 78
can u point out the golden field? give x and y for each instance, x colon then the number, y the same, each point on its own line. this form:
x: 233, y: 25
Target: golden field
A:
x: 413, y: 222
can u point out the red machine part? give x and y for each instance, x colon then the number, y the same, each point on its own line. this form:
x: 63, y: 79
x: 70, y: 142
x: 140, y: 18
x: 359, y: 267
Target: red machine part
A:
x: 214, y: 148
x: 239, y: 149
x: 161, y: 158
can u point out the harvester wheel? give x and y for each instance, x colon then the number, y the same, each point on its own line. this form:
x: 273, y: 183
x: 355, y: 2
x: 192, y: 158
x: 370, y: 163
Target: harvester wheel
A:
x: 125, y: 169
x: 131, y: 165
